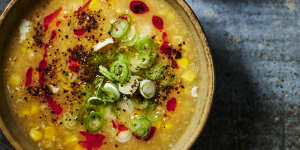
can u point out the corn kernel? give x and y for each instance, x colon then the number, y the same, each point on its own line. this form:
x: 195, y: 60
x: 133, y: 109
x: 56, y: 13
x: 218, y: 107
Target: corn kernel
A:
x: 113, y: 3
x: 183, y: 62
x: 23, y: 49
x: 94, y: 5
x: 137, y: 112
x: 14, y: 80
x: 168, y: 126
x: 71, y: 140
x: 185, y: 48
x: 171, y: 16
x: 157, y: 124
x: 49, y: 132
x: 35, y: 109
x: 35, y: 135
x: 188, y: 76
x: 24, y: 112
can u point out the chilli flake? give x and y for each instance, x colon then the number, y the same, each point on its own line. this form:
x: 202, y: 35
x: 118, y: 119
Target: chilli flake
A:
x: 139, y: 7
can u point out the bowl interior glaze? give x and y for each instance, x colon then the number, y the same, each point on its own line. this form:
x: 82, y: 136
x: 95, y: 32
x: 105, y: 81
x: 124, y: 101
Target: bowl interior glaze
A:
x: 9, y: 22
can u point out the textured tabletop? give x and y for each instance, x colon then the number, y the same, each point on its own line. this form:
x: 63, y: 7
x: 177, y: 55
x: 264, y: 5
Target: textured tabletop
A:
x: 255, y: 46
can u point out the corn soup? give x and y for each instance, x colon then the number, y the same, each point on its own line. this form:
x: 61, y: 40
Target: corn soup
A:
x: 104, y: 74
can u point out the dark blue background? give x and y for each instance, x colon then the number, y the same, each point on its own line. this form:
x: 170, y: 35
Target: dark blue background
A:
x: 255, y: 46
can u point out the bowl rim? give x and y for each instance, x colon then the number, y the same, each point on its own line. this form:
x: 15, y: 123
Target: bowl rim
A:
x: 200, y: 33
x: 204, y: 117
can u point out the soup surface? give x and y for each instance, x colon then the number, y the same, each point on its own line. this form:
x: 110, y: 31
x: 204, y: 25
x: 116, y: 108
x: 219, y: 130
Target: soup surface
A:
x: 104, y: 74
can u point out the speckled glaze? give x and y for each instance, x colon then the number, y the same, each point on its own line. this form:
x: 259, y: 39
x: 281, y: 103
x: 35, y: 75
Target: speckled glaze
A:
x: 9, y: 19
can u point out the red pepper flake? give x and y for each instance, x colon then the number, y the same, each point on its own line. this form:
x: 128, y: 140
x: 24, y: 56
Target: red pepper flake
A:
x: 79, y: 10
x: 80, y: 32
x: 158, y: 22
x: 29, y: 76
x: 174, y: 64
x: 93, y: 141
x: 42, y: 67
x: 118, y: 126
x: 114, y: 124
x: 151, y: 134
x: 58, y: 23
x: 171, y: 104
x: 139, y: 7
x: 53, y: 105
x: 53, y: 35
x: 48, y: 19
x: 74, y: 65
x: 124, y: 17
x: 165, y: 37
x: 165, y: 48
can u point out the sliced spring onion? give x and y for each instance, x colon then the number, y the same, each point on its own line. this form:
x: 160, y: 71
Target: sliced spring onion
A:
x: 108, y: 111
x: 126, y: 17
x: 127, y: 105
x: 94, y: 122
x: 100, y: 45
x: 130, y: 36
x: 155, y: 114
x: 120, y: 71
x: 147, y: 88
x: 155, y: 73
x: 130, y: 87
x: 83, y: 112
x: 111, y: 91
x: 69, y: 121
x: 140, y: 127
x: 143, y: 60
x: 98, y: 82
x: 145, y: 45
x: 140, y: 104
x: 120, y: 28
x: 94, y: 100
x: 106, y: 73
x: 134, y: 63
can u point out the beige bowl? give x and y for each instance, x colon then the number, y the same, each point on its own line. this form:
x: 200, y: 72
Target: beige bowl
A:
x: 8, y: 124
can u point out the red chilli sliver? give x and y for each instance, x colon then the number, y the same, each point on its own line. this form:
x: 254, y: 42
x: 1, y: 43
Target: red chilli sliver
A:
x: 165, y: 37
x: 74, y: 65
x: 53, y: 105
x: 151, y: 134
x: 80, y: 32
x: 93, y: 141
x: 165, y: 48
x: 58, y: 23
x: 48, y: 19
x: 139, y: 7
x: 171, y: 104
x: 29, y: 76
x: 119, y: 127
x: 53, y: 35
x: 79, y: 10
x: 158, y: 22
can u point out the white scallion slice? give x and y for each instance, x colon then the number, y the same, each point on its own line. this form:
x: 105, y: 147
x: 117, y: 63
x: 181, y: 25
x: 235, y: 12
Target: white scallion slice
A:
x: 147, y: 88
x: 111, y: 91
x: 126, y: 105
x: 100, y: 45
x: 130, y: 87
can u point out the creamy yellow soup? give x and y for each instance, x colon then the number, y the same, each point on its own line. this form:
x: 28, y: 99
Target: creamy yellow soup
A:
x: 103, y: 74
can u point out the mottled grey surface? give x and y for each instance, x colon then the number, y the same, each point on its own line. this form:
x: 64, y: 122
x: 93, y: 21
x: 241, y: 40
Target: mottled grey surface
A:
x: 255, y: 46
